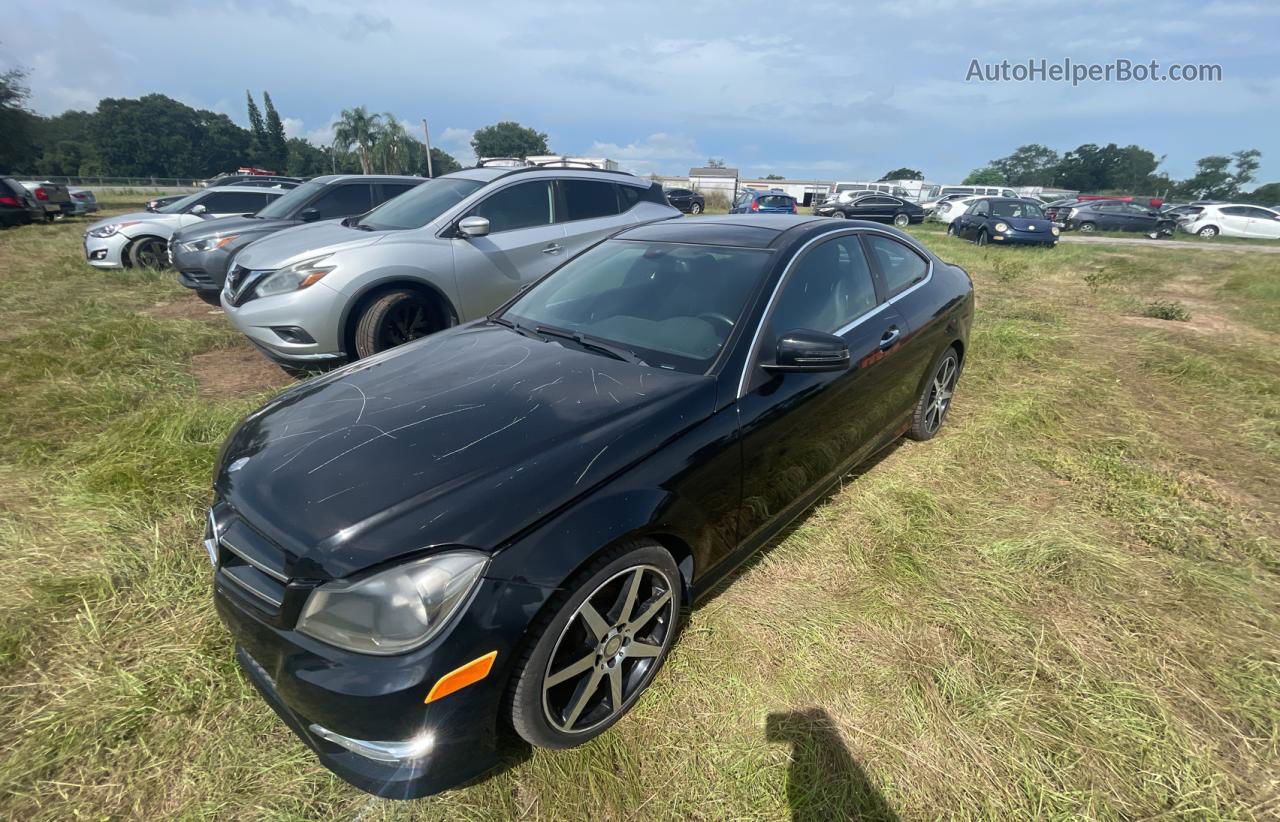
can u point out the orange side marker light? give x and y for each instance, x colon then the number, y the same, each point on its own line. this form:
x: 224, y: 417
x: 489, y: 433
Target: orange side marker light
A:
x: 459, y: 678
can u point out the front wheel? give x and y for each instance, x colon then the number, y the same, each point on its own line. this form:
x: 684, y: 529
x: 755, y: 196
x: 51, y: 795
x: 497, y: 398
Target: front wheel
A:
x: 1207, y: 233
x: 148, y: 252
x: 951, y: 230
x: 394, y: 319
x: 695, y: 209
x: 935, y: 400
x: 839, y: 215
x: 901, y: 220
x: 597, y: 647
x: 982, y: 237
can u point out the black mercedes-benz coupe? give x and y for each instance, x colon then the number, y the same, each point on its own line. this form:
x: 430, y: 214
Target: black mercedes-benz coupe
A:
x: 497, y: 526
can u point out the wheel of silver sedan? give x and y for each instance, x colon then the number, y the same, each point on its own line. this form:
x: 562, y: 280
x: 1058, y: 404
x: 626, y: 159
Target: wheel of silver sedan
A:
x: 609, y: 650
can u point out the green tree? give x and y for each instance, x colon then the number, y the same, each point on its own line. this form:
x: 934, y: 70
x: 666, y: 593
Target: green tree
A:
x: 442, y: 162
x: 17, y: 150
x: 1219, y: 177
x: 902, y: 174
x: 774, y: 177
x: 357, y: 127
x: 258, y: 132
x: 1267, y: 195
x: 508, y: 139
x: 277, y: 147
x: 985, y: 176
x: 394, y: 151
x: 1029, y: 165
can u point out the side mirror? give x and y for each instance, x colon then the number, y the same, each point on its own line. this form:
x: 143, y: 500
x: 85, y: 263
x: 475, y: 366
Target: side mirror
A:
x: 310, y: 215
x: 199, y: 210
x: 804, y: 350
x: 474, y: 227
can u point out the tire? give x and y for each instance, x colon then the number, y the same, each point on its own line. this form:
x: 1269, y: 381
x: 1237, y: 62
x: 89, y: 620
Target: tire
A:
x: 951, y: 230
x: 927, y: 417
x: 901, y: 220
x: 395, y: 318
x: 839, y: 215
x: 983, y: 239
x: 1087, y: 228
x: 147, y: 252
x: 562, y: 640
x: 695, y: 209
x: 1207, y: 233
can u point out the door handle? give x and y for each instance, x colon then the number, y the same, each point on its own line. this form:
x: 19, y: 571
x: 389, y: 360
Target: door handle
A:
x: 890, y: 337
x: 553, y: 248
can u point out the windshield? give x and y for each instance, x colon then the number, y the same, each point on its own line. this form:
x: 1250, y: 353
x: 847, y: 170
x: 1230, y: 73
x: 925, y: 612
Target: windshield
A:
x: 1030, y: 211
x: 672, y: 305
x: 285, y: 204
x: 178, y: 206
x: 419, y: 206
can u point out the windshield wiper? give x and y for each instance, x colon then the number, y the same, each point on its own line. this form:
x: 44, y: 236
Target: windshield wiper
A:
x: 592, y: 343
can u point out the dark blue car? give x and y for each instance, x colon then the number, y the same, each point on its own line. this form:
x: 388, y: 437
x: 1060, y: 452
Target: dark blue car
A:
x: 1005, y: 221
x: 751, y: 201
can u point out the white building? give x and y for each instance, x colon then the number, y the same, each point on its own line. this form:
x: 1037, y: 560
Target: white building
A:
x: 709, y: 180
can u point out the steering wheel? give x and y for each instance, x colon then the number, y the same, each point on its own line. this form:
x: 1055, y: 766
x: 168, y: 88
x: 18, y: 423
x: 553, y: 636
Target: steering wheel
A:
x: 716, y: 318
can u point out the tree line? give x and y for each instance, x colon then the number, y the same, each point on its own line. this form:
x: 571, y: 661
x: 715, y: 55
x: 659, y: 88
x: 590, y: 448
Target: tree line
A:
x: 1129, y: 169
x: 157, y: 136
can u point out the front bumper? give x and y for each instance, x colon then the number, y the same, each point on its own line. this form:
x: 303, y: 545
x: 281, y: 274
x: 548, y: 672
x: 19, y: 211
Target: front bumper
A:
x: 316, y: 310
x: 105, y: 252
x: 1025, y: 238
x: 200, y: 270
x: 335, y: 701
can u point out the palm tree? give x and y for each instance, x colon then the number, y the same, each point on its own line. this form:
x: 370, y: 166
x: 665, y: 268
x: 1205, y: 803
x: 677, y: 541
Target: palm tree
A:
x: 357, y: 127
x: 392, y: 148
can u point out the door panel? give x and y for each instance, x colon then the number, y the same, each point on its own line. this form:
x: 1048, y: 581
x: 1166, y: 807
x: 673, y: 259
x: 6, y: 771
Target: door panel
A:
x: 524, y: 244
x: 801, y: 430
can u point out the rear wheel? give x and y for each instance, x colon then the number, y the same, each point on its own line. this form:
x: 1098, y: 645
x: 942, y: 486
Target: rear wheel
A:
x: 597, y: 647
x: 901, y: 220
x: 935, y: 400
x: 1088, y: 228
x: 696, y: 208
x: 395, y: 318
x: 839, y: 215
x: 147, y: 252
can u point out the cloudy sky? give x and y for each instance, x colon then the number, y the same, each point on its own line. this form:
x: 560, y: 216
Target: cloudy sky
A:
x: 843, y: 90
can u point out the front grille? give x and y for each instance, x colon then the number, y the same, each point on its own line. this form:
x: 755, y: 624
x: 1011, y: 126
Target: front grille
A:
x: 236, y: 277
x: 198, y: 276
x: 252, y: 565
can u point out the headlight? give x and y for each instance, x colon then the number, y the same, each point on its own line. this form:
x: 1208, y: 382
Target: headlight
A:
x: 1072, y: 212
x: 295, y: 277
x: 1055, y: 231
x: 1002, y: 227
x: 110, y: 230
x: 393, y: 611
x: 210, y: 244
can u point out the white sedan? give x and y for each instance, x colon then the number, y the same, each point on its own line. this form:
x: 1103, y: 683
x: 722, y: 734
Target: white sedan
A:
x: 948, y: 210
x: 141, y: 239
x: 1233, y: 220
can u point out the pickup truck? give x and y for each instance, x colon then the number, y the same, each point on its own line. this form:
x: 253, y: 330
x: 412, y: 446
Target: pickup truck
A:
x: 53, y: 198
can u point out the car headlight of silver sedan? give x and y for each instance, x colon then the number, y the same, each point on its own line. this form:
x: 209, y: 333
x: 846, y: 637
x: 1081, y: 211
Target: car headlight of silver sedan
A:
x: 102, y: 232
x: 297, y: 276
x: 396, y: 610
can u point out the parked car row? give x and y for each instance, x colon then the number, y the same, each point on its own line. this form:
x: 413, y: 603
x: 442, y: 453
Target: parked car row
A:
x: 501, y: 524
x: 30, y: 201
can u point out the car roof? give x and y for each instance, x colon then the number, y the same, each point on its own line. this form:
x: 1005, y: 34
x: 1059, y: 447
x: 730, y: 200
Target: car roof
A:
x: 329, y: 179
x: 726, y: 229
x: 487, y: 174
x: 244, y: 189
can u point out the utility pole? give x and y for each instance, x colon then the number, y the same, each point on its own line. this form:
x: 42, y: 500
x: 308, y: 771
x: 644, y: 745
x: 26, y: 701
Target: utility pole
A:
x: 427, y: 136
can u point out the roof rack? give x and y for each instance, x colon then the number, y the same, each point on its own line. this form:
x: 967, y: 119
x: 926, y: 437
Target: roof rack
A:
x: 496, y: 160
x: 594, y: 170
x: 565, y: 162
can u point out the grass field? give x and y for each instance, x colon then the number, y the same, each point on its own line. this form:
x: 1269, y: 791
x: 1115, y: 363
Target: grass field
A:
x: 1066, y: 606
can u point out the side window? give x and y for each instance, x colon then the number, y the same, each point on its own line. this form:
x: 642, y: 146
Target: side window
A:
x: 900, y: 266
x: 1261, y: 214
x: 879, y: 201
x: 829, y: 287
x: 231, y: 202
x: 585, y: 199
x: 981, y: 209
x: 343, y: 201
x: 628, y: 196
x: 387, y: 191
x: 1235, y: 211
x: 523, y: 205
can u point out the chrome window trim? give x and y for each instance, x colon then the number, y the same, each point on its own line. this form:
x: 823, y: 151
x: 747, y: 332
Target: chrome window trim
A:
x: 753, y: 350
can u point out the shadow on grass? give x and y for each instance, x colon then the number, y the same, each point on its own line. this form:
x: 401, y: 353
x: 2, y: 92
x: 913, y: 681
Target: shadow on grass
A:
x: 823, y: 780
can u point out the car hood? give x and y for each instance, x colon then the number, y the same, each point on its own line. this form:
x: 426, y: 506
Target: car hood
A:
x: 466, y: 437
x: 223, y: 226
x: 304, y: 242
x: 139, y: 217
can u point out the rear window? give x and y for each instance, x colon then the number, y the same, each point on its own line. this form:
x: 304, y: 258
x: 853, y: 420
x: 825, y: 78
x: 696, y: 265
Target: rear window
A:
x: 775, y: 201
x: 900, y: 266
